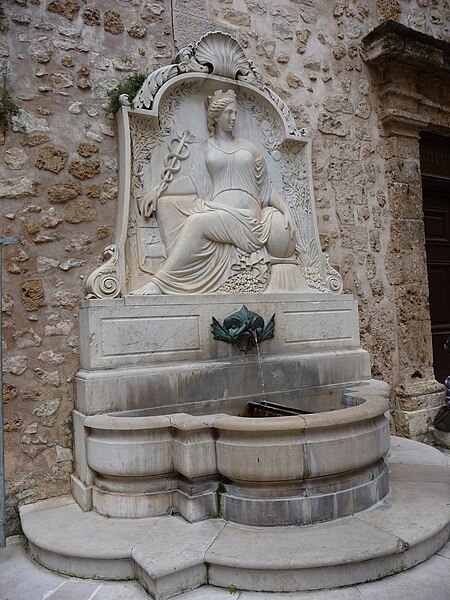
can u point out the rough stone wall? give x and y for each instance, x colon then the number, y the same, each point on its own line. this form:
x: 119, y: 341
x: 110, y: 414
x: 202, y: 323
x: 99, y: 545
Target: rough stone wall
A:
x: 58, y: 194
x: 58, y: 185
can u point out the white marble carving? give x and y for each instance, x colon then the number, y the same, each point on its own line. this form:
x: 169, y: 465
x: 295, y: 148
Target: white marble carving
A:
x: 223, y: 215
x: 216, y: 187
x: 104, y: 281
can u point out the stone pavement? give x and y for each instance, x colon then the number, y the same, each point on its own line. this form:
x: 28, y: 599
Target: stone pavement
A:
x: 23, y: 579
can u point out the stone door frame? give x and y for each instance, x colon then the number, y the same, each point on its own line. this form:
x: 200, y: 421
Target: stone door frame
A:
x: 412, y: 73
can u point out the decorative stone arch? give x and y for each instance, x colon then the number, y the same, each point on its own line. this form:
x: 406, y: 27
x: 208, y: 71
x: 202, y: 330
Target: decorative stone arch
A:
x: 413, y: 72
x: 151, y: 137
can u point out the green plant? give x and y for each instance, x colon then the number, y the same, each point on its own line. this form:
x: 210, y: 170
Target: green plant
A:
x: 8, y: 108
x: 233, y: 589
x: 129, y: 87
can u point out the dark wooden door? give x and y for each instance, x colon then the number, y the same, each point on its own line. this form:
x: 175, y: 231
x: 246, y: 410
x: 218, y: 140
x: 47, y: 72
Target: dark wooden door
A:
x: 435, y: 163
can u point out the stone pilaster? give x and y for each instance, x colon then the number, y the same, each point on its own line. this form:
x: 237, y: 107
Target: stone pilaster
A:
x: 402, y: 62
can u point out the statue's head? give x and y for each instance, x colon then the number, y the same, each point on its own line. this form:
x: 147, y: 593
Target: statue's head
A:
x: 215, y: 106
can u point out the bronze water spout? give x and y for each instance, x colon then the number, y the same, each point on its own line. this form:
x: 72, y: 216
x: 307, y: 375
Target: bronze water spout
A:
x: 244, y: 329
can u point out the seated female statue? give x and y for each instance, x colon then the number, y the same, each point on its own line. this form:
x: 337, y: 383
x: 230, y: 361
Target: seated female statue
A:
x: 225, y: 226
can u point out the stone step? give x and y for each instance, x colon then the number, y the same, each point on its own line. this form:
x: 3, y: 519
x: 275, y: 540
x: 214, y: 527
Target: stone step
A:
x: 63, y: 538
x: 400, y: 533
x: 177, y: 563
x: 170, y: 556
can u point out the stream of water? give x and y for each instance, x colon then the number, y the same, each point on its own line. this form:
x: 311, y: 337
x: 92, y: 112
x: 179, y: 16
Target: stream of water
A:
x: 261, y: 373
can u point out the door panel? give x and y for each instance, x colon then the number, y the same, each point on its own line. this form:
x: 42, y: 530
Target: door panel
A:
x: 436, y: 206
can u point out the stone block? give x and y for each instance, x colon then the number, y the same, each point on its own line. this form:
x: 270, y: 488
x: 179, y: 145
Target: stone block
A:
x: 417, y: 584
x: 405, y: 200
x: 413, y: 402
x: 115, y: 337
x: 200, y: 389
x: 32, y: 294
x: 131, y: 506
x: 91, y: 17
x: 16, y: 158
x: 152, y: 13
x: 412, y: 302
x: 20, y: 187
x: 83, y: 471
x: 332, y: 125
x: 109, y: 561
x: 194, y: 453
x: 136, y: 30
x: 414, y: 424
x: 51, y: 159
x: 403, y: 170
x: 408, y: 235
x: 259, y: 457
x: 81, y: 493
x: 405, y: 267
x: 182, y: 566
x: 178, y: 582
x: 35, y: 139
x: 279, y: 508
x: 125, y: 452
x: 86, y: 150
x: 338, y: 104
x: 415, y: 346
x: 355, y: 237
x: 66, y: 8
x: 80, y: 212
x: 84, y: 170
x: 196, y: 507
x: 112, y: 22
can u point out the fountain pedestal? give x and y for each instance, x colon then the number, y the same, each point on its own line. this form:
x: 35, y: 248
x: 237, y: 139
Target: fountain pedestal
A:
x: 161, y: 421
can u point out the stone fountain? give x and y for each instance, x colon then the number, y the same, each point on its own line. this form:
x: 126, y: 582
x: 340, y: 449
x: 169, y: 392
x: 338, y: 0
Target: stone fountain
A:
x: 216, y: 212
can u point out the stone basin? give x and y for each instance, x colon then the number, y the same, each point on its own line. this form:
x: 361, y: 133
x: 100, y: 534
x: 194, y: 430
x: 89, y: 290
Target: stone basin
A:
x: 270, y: 471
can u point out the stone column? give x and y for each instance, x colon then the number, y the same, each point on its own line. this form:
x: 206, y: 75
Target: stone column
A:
x: 412, y: 72
x: 417, y: 394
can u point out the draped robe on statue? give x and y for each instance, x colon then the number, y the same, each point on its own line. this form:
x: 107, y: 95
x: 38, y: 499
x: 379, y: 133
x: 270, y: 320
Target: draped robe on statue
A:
x: 224, y: 228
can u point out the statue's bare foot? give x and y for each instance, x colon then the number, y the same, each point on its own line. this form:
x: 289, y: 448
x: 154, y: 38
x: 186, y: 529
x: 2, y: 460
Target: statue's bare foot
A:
x: 149, y: 289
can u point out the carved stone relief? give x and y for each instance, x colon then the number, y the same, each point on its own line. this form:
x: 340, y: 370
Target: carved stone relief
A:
x: 219, y: 198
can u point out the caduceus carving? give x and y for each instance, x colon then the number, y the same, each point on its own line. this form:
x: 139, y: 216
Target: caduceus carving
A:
x: 178, y: 151
x: 172, y: 161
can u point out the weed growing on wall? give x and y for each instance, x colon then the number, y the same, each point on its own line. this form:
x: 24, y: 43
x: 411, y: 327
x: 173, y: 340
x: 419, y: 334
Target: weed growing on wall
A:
x: 7, y: 106
x: 129, y: 87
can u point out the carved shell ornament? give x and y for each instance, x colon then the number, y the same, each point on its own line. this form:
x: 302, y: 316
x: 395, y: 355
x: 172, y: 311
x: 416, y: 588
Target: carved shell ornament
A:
x: 225, y: 57
x: 215, y: 53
